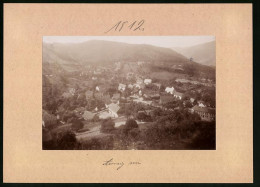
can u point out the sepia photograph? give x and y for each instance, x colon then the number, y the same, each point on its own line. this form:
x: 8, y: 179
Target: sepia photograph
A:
x: 128, y: 93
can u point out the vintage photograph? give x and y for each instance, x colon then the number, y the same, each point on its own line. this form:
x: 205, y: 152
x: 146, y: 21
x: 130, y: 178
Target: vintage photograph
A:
x: 128, y: 93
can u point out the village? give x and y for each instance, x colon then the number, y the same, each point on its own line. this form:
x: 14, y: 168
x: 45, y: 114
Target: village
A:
x: 102, y: 93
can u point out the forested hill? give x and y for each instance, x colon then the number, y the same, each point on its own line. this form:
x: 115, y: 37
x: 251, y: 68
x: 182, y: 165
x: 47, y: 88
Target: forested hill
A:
x: 103, y: 52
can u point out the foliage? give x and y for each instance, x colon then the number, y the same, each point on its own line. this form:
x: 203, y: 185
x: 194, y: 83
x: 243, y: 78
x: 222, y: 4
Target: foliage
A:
x: 68, y: 141
x: 50, y: 121
x: 129, y: 125
x: 77, y: 124
x: 205, y: 136
x: 107, y: 125
x: 142, y: 116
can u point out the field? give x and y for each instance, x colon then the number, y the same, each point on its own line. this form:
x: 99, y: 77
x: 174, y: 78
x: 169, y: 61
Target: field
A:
x: 164, y: 75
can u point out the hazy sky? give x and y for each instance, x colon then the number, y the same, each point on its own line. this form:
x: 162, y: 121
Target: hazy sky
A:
x: 161, y: 41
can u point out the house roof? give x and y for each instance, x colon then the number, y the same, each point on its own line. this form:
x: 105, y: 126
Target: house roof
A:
x: 79, y: 109
x: 147, y: 80
x: 88, y: 115
x: 122, y: 85
x: 204, y: 109
x: 178, y: 94
x: 113, y: 107
x: 169, y: 89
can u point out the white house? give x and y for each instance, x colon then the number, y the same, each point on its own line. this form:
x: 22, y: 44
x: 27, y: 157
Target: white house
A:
x: 201, y: 104
x: 121, y: 87
x: 192, y: 100
x: 178, y: 95
x: 113, y: 109
x: 139, y: 81
x: 147, y: 81
x: 97, y: 88
x: 169, y: 90
x: 130, y: 86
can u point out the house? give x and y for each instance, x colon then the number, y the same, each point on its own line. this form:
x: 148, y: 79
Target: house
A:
x: 88, y: 115
x: 139, y: 85
x: 97, y: 88
x: 146, y: 96
x: 169, y: 90
x: 79, y: 111
x: 130, y: 86
x: 205, y: 113
x: 147, y: 81
x: 155, y: 96
x: 121, y: 87
x: 141, y: 100
x: 166, y: 99
x: 178, y: 95
x: 192, y: 100
x: 113, y: 109
x: 139, y: 81
x: 201, y: 104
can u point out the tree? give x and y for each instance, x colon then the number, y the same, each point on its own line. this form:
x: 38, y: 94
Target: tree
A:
x: 130, y: 124
x: 50, y: 121
x: 134, y: 133
x: 77, y: 124
x: 143, y: 116
x: 162, y: 89
x: 107, y: 125
x: 67, y: 142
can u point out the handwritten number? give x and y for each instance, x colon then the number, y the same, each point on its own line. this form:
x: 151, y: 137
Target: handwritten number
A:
x: 131, y: 26
x: 120, y: 25
x: 139, y: 25
x: 123, y: 25
x: 115, y: 26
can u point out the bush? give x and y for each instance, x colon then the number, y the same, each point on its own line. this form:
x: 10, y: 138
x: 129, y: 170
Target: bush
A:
x: 129, y: 125
x: 67, y: 142
x: 107, y: 125
x: 143, y: 117
x: 77, y: 124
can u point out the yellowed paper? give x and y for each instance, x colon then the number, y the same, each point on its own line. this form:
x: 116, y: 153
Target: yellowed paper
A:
x: 24, y: 159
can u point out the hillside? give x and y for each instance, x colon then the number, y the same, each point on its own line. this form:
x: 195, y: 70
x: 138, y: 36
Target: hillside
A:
x: 203, y: 53
x: 61, y: 58
x: 103, y: 52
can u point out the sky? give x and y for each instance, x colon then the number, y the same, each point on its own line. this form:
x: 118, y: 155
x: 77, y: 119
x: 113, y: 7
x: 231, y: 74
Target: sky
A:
x: 161, y: 41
